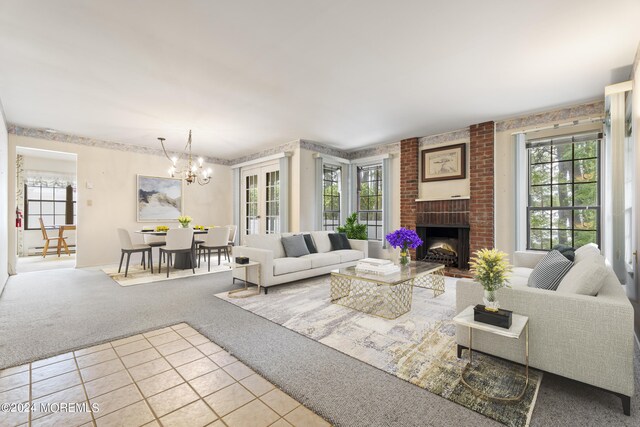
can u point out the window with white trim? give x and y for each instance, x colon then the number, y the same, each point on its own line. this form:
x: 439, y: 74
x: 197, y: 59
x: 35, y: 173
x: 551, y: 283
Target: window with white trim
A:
x: 331, y: 197
x: 563, y: 204
x: 369, y: 199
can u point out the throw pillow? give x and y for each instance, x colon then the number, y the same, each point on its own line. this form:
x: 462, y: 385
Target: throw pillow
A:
x: 339, y: 241
x: 568, y: 251
x: 586, y: 252
x: 310, y: 245
x: 585, y: 278
x: 295, y: 246
x: 548, y: 273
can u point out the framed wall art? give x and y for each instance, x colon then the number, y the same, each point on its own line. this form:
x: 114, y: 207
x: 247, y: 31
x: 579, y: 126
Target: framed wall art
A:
x: 444, y: 163
x: 158, y: 199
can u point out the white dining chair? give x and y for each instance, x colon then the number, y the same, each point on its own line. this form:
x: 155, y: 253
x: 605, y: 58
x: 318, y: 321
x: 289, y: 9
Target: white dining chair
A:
x: 233, y: 230
x: 179, y: 241
x: 154, y: 241
x: 127, y: 247
x: 216, y: 239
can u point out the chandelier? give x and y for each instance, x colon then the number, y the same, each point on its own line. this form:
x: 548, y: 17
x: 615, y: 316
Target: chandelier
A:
x: 189, y: 171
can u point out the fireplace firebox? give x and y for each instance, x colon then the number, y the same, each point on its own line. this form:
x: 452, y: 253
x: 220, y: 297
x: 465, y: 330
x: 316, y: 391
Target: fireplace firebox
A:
x: 444, y: 244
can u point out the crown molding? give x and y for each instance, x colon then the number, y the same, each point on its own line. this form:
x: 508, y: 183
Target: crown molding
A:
x: 589, y: 109
x: 98, y: 143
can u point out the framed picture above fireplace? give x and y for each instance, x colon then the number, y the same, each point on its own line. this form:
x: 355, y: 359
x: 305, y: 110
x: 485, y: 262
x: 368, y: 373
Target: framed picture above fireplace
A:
x: 444, y: 163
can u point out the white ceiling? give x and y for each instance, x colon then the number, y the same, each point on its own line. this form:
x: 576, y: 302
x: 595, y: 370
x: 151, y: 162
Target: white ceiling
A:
x: 246, y: 75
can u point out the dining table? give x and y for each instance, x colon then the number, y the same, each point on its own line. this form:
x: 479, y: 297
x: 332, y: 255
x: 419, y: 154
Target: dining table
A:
x: 181, y: 261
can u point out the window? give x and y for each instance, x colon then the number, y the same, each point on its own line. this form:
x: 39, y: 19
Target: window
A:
x: 331, y: 181
x: 564, y: 191
x: 273, y: 202
x: 370, y: 200
x: 55, y: 204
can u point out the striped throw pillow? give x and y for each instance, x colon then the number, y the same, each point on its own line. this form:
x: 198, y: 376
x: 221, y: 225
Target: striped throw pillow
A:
x: 549, y: 271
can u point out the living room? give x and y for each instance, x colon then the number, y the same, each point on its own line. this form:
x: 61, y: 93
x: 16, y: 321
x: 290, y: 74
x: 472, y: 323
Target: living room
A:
x: 344, y: 213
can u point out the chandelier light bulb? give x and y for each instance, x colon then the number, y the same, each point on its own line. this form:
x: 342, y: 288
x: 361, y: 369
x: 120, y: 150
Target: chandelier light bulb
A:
x: 200, y: 161
x: 209, y: 171
x: 174, y: 159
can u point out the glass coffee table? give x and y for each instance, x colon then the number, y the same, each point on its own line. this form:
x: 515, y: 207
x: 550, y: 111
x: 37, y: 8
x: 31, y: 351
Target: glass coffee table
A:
x: 387, y: 296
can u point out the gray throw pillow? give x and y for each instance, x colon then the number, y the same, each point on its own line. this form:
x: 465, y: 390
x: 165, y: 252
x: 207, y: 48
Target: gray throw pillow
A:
x: 548, y: 273
x: 295, y: 246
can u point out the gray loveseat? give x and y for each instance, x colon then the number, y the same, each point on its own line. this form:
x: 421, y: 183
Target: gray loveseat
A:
x: 586, y: 338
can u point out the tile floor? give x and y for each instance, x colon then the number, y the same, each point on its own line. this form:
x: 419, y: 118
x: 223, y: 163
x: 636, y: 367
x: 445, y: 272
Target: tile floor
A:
x: 171, y: 377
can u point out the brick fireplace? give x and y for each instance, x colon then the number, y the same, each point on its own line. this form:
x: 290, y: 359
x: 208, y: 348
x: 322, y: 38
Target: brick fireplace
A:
x: 475, y: 215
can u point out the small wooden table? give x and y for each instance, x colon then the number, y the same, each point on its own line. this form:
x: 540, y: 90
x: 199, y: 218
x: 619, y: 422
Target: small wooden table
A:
x: 61, y: 241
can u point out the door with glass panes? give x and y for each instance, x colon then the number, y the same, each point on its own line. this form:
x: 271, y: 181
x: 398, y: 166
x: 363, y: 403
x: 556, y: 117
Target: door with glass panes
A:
x: 260, y: 200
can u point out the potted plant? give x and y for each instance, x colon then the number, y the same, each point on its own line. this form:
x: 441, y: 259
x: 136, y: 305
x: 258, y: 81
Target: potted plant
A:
x: 184, y: 221
x: 404, y: 239
x: 490, y: 267
x: 353, y: 229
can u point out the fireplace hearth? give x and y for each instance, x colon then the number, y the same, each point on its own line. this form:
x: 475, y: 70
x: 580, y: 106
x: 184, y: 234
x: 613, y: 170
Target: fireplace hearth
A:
x: 444, y: 244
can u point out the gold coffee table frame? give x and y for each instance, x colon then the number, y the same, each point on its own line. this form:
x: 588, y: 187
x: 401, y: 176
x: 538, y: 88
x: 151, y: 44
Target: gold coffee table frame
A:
x: 519, y: 323
x: 387, y: 296
x: 246, y: 288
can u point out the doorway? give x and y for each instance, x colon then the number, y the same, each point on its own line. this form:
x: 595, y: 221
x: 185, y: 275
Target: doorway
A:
x: 260, y: 200
x: 46, y: 201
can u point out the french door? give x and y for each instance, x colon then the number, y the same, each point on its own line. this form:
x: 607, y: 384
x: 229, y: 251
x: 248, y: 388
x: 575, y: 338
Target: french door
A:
x: 260, y: 200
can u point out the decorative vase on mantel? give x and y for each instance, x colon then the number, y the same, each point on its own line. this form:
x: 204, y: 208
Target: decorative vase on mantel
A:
x: 490, y: 268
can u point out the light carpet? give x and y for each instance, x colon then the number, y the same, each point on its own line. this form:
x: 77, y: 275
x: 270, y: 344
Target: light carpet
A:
x: 418, y: 347
x: 138, y: 276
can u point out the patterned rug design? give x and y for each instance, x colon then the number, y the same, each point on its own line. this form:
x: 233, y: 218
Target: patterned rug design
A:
x: 418, y: 347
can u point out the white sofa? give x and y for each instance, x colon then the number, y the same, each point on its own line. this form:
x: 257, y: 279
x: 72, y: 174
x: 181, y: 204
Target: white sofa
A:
x: 586, y: 338
x: 276, y: 268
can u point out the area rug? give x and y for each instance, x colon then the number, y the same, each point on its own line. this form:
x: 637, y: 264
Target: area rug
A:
x: 138, y: 276
x: 418, y: 347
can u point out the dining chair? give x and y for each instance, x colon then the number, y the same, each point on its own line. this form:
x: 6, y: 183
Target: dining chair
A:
x: 233, y: 230
x: 179, y: 240
x: 47, y: 240
x: 215, y: 239
x: 127, y: 247
x: 154, y: 241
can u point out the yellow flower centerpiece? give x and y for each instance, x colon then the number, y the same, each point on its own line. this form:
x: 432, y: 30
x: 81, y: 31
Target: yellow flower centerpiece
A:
x: 184, y: 221
x: 491, y: 268
x: 162, y: 228
x: 198, y: 227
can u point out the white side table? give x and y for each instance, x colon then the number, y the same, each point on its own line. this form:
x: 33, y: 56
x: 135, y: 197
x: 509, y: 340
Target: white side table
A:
x: 519, y: 323
x: 253, y: 264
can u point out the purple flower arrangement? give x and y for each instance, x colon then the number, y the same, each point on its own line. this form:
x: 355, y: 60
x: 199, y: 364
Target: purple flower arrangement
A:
x: 404, y: 238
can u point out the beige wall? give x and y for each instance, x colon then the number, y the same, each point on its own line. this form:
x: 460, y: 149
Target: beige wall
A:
x: 5, y: 219
x: 439, y: 190
x: 111, y: 203
x: 505, y: 179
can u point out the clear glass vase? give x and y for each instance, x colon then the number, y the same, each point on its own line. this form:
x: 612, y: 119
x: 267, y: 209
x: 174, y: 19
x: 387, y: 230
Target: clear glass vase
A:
x: 405, y: 258
x: 491, y: 300
x: 185, y: 224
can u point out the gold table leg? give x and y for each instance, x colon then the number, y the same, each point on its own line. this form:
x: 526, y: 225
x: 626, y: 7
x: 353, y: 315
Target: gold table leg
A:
x: 526, y: 369
x: 231, y: 293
